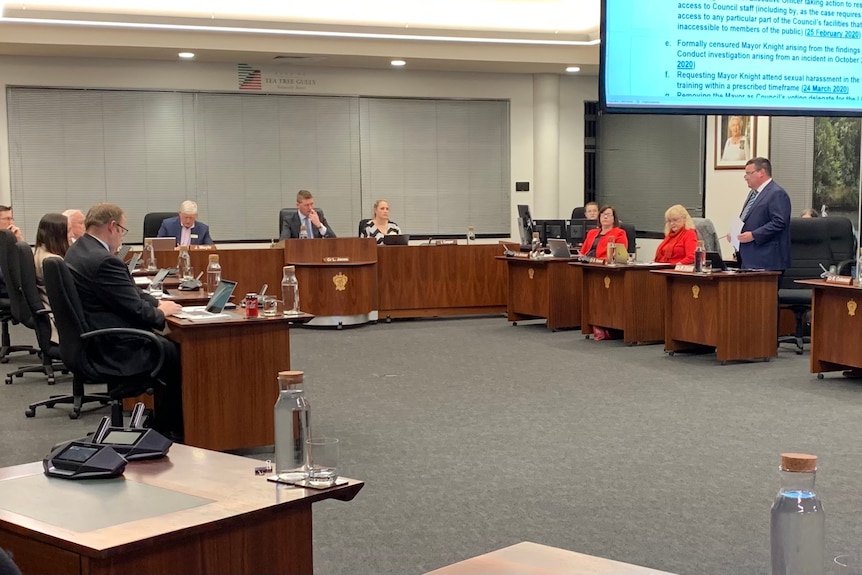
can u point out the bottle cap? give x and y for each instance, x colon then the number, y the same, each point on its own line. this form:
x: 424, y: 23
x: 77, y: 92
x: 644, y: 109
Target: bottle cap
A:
x: 798, y: 462
x: 291, y: 377
x: 213, y: 258
x: 290, y: 269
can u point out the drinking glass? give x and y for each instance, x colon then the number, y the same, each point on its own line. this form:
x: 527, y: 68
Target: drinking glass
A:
x: 322, y: 461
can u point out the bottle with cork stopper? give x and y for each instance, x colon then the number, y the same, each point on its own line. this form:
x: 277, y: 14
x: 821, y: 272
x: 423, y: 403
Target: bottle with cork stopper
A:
x: 797, y: 527
x: 292, y: 426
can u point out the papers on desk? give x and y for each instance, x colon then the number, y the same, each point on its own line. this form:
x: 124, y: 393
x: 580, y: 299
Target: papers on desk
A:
x: 735, y: 230
x: 199, y: 313
x: 142, y: 281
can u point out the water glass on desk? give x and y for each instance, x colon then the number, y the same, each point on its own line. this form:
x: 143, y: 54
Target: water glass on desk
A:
x: 611, y: 258
x: 322, y: 462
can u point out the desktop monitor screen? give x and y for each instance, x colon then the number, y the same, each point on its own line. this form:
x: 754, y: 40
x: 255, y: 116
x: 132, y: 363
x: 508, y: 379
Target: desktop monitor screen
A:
x: 554, y: 229
x: 578, y: 229
x: 525, y: 221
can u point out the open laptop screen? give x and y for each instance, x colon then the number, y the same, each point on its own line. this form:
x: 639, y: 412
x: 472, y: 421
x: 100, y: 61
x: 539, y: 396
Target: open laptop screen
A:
x: 220, y: 296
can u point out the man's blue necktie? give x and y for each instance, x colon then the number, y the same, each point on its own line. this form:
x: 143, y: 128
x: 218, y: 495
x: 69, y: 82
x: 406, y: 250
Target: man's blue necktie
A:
x: 751, y: 197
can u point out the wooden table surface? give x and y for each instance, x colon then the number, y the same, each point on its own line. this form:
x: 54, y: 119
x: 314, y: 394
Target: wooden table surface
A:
x: 240, y: 522
x: 534, y: 559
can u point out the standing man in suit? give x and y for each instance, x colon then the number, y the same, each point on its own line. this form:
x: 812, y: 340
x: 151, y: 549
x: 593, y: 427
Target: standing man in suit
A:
x: 186, y: 228
x: 111, y: 299
x: 314, y: 221
x: 765, y: 238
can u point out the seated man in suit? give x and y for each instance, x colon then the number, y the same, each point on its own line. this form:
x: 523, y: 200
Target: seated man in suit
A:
x: 7, y: 222
x: 185, y: 227
x: 111, y: 299
x: 314, y: 221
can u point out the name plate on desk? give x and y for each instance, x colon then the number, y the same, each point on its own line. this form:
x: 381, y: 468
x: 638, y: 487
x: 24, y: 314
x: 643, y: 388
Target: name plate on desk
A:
x: 445, y: 242
x: 843, y: 280
x: 597, y: 261
x: 200, y: 247
x: 684, y: 268
x: 335, y: 259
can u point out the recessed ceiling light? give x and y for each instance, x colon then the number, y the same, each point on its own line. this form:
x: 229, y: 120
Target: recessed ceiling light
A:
x: 398, y: 63
x: 186, y: 55
x: 573, y: 69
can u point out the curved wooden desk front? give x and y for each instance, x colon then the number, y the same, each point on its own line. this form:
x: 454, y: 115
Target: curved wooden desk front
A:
x: 337, y: 279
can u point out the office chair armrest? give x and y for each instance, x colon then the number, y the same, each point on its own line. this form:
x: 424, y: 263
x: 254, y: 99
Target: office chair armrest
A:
x: 128, y: 331
x: 845, y: 266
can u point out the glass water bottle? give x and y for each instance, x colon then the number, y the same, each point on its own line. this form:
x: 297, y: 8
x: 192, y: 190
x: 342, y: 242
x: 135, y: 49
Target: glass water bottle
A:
x: 150, y: 254
x: 290, y: 291
x: 291, y: 427
x: 699, y: 256
x: 213, y: 274
x: 797, y: 529
x: 184, y: 264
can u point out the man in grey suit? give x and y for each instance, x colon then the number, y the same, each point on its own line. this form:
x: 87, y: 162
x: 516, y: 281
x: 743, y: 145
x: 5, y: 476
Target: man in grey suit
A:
x: 765, y: 238
x: 314, y: 221
x: 110, y: 298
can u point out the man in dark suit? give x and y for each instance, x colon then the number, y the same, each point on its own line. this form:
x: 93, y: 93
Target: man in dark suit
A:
x: 185, y: 227
x: 7, y: 222
x: 314, y: 221
x: 111, y: 299
x: 765, y: 238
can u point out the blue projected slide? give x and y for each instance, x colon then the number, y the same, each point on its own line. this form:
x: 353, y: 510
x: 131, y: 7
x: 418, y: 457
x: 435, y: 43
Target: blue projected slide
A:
x: 798, y: 57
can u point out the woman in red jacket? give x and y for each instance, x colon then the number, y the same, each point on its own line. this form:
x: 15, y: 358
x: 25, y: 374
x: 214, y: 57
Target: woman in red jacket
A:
x: 596, y: 243
x: 680, y: 238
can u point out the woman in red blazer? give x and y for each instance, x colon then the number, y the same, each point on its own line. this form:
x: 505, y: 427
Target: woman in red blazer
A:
x: 680, y: 238
x: 596, y: 243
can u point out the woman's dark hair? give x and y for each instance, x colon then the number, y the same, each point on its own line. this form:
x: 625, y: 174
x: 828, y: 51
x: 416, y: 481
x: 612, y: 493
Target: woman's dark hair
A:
x: 613, y: 211
x: 53, y: 234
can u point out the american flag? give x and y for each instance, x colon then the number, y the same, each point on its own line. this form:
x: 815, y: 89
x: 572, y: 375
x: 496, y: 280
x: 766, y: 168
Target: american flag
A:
x: 248, y: 77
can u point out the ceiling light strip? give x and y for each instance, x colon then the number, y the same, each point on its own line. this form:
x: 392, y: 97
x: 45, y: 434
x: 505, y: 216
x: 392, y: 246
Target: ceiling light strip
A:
x: 307, y: 33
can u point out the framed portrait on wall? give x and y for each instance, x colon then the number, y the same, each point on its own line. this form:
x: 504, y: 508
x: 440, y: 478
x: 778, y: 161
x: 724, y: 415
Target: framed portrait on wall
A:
x: 734, y: 141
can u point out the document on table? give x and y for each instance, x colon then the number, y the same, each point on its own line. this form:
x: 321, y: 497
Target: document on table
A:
x: 735, y: 229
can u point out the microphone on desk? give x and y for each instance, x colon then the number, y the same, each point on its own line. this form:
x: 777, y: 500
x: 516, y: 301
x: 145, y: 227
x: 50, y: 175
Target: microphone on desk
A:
x: 825, y: 273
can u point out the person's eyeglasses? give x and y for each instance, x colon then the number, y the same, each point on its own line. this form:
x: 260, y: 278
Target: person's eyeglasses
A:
x: 122, y: 228
x: 607, y: 215
x: 747, y: 173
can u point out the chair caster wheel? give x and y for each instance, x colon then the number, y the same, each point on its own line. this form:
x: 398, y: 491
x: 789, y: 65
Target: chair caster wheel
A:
x: 723, y: 363
x: 671, y: 353
x: 29, y: 412
x: 819, y: 376
x: 388, y: 319
x: 74, y: 414
x: 514, y: 324
x: 51, y: 381
x: 8, y: 380
x: 340, y: 326
x: 35, y: 351
x: 4, y: 360
x: 798, y: 352
x: 553, y: 330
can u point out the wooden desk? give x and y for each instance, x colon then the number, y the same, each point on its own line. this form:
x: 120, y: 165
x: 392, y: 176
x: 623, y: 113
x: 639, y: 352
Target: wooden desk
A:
x: 230, y: 370
x: 548, y: 288
x: 737, y: 314
x: 836, y: 326
x: 625, y: 297
x: 336, y: 293
x: 533, y: 559
x: 428, y: 281
x: 196, y: 511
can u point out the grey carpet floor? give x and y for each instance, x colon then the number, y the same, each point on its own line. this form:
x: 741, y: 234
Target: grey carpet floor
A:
x: 473, y: 435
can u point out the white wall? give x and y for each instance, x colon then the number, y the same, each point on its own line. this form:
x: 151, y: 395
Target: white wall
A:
x: 725, y: 190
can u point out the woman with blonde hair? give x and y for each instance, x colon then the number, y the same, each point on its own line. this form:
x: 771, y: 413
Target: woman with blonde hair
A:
x: 680, y: 238
x: 379, y: 225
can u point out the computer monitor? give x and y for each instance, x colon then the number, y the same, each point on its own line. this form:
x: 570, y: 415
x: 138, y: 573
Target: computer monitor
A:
x: 550, y: 229
x: 525, y: 224
x: 578, y: 229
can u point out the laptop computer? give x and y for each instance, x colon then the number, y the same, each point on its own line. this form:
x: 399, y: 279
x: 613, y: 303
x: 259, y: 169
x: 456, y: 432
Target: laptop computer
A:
x: 133, y: 261
x: 214, y: 306
x: 162, y: 244
x: 396, y: 239
x: 559, y: 248
x: 717, y: 263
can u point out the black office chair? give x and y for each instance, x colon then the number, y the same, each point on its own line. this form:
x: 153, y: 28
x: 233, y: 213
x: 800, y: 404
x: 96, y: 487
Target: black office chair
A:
x: 79, y: 348
x: 28, y: 301
x: 809, y: 248
x: 579, y: 213
x: 706, y: 233
x: 631, y: 236
x: 842, y: 243
x: 153, y: 221
x: 6, y: 314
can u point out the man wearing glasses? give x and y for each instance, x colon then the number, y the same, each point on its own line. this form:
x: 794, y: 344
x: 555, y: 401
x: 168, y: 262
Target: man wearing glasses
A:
x: 111, y: 299
x: 765, y: 238
x: 7, y: 222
